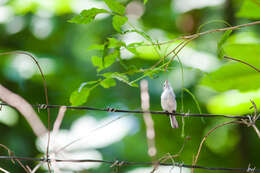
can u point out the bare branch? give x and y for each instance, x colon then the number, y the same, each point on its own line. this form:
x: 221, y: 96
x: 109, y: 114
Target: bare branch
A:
x: 209, y: 132
x: 238, y: 60
x: 59, y: 119
x: 149, y: 123
x: 204, y: 33
x: 3, y: 170
x: 24, y: 108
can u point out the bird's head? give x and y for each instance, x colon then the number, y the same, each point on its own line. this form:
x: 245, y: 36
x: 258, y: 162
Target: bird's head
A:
x: 166, y: 85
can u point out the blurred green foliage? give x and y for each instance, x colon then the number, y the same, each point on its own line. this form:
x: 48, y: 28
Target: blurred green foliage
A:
x: 100, y: 65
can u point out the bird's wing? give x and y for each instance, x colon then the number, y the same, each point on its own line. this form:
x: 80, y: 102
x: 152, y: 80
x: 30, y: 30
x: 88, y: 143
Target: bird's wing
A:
x: 171, y: 102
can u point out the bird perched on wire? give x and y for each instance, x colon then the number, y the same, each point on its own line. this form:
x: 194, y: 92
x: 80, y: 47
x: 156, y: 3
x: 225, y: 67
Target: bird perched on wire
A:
x: 168, y: 102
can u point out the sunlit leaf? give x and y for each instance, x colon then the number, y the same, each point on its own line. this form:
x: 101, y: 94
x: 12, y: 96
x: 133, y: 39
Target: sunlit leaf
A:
x: 250, y: 9
x: 132, y: 47
x: 87, y: 16
x: 78, y: 98
x: 108, y: 82
x: 235, y: 75
x: 118, y: 22
x: 108, y: 60
x: 97, y: 61
x: 115, y: 6
x: 96, y: 47
x: 233, y: 102
x: 121, y: 77
x: 114, y: 43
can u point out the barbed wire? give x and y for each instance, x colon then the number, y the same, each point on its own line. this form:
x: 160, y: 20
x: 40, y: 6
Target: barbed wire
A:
x: 125, y: 163
x: 44, y: 106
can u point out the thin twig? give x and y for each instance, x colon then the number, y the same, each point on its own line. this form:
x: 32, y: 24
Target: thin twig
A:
x: 10, y: 153
x: 209, y: 132
x: 252, y: 119
x: 45, y: 91
x: 163, y: 58
x: 169, y: 156
x: 202, y: 33
x: 238, y: 60
x: 178, y: 51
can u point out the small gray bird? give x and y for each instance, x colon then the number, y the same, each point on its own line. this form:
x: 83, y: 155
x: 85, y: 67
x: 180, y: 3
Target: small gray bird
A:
x: 168, y: 102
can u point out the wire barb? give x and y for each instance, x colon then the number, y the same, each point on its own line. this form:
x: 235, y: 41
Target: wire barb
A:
x: 249, y: 169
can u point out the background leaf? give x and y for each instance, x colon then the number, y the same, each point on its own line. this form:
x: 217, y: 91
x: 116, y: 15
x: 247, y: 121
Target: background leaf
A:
x: 96, y: 47
x: 250, y: 9
x: 235, y: 75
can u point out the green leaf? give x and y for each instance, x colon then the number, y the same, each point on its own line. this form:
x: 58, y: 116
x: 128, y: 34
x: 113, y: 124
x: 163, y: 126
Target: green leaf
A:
x: 87, y: 16
x: 132, y: 47
x: 118, y: 22
x: 233, y: 102
x: 222, y: 41
x: 114, y: 43
x: 115, y: 6
x: 111, y: 58
x: 119, y: 76
x: 108, y: 82
x: 79, y: 97
x: 108, y: 60
x: 87, y: 84
x: 145, y: 1
x: 96, y: 47
x: 250, y: 9
x: 97, y: 61
x: 235, y: 75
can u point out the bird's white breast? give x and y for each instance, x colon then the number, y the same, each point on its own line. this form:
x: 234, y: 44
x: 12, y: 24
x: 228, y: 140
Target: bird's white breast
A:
x: 168, y: 101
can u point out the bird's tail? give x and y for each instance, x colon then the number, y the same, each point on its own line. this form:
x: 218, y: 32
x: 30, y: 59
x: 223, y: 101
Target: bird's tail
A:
x: 174, y: 122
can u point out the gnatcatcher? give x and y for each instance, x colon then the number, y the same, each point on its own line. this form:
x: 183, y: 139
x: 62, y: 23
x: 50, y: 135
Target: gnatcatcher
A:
x: 168, y: 102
